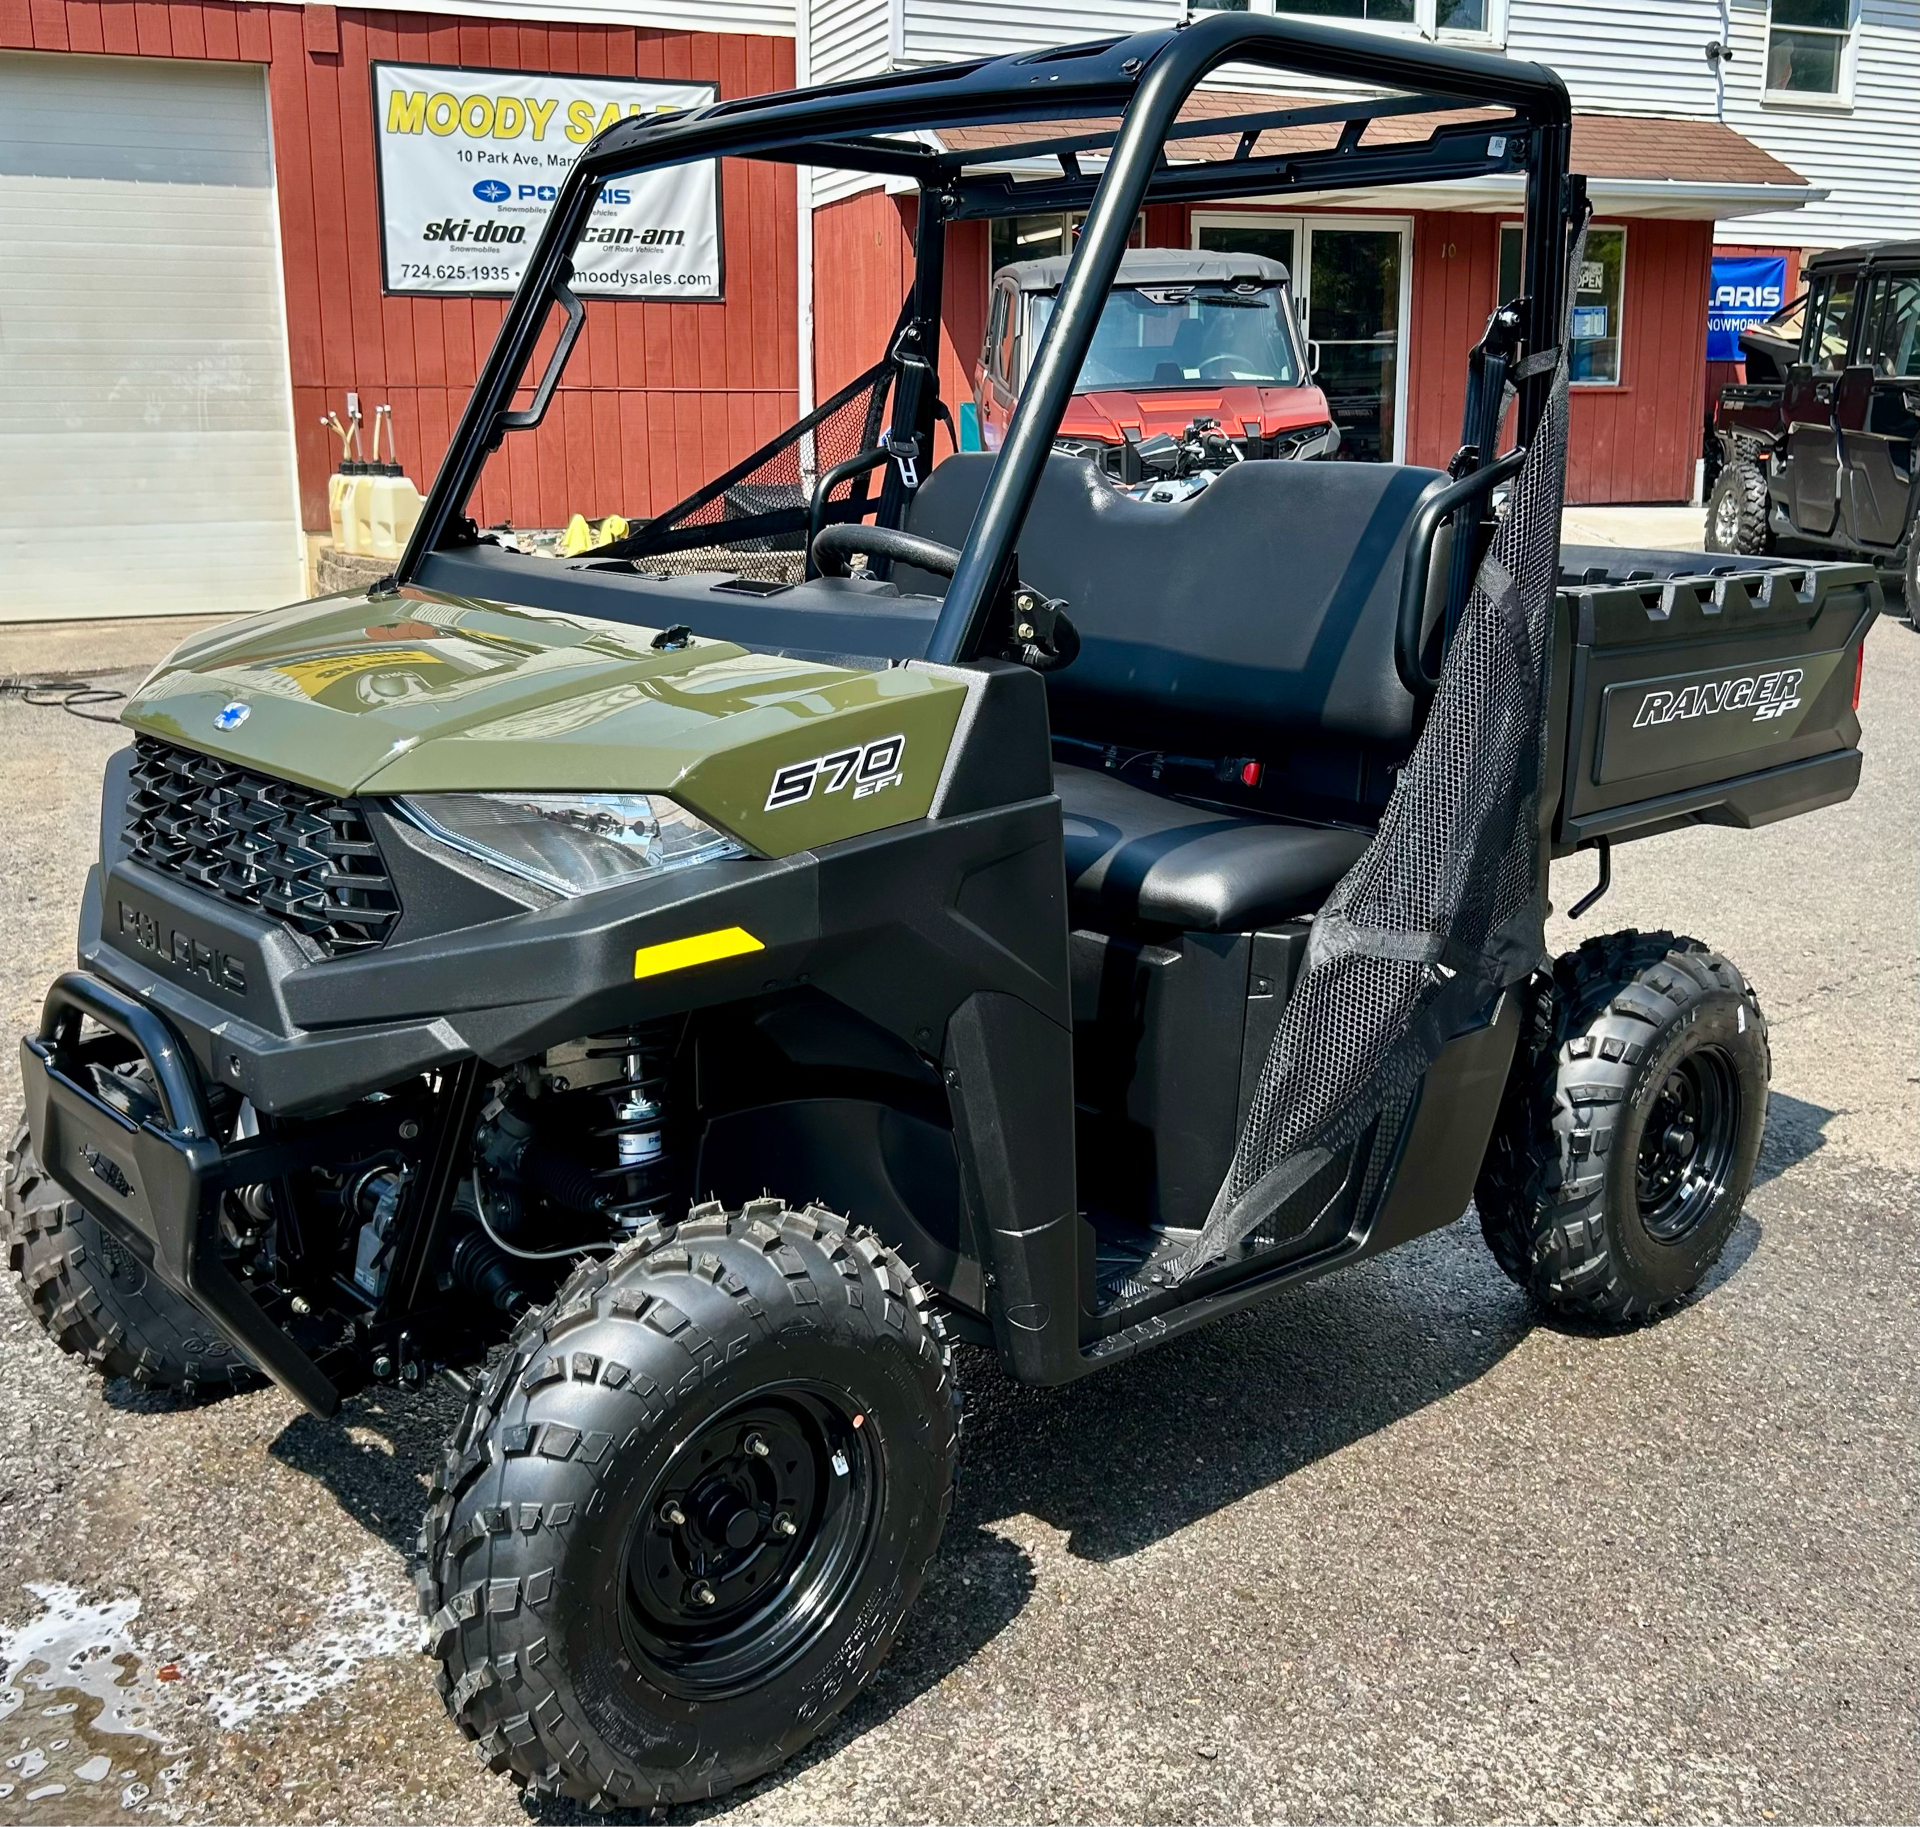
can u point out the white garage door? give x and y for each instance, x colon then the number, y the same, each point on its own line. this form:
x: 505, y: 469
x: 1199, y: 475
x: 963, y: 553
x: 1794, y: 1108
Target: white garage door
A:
x: 146, y: 436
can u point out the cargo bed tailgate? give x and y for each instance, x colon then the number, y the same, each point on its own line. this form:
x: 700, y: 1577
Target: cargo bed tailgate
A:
x: 1707, y: 690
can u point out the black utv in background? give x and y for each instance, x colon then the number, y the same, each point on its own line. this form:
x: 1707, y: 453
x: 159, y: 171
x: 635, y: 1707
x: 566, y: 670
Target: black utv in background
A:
x: 1817, y: 449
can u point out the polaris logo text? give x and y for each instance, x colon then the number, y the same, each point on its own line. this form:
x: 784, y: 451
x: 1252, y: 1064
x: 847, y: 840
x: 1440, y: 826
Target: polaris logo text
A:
x: 1746, y: 298
x: 221, y: 969
x: 866, y: 770
x: 1766, y: 694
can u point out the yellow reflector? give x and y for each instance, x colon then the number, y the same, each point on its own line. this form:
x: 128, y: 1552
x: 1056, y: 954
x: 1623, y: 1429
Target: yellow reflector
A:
x: 702, y: 948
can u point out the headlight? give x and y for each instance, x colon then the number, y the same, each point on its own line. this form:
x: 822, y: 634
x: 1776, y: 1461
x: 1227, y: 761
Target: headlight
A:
x: 573, y: 842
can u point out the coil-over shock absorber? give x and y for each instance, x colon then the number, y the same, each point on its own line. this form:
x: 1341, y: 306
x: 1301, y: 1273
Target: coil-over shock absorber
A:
x: 638, y: 1185
x: 586, y: 1132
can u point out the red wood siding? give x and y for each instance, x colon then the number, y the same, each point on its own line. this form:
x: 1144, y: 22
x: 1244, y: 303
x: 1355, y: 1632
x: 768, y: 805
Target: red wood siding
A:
x: 658, y: 397
x: 862, y: 267
x: 1634, y: 442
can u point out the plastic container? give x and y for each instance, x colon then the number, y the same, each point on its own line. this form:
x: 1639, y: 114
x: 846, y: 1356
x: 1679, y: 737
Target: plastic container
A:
x: 356, y: 511
x: 338, y: 486
x: 393, y: 506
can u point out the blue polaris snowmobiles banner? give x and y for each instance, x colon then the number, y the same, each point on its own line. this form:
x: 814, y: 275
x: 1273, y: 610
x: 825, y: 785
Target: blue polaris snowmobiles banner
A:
x: 1747, y: 289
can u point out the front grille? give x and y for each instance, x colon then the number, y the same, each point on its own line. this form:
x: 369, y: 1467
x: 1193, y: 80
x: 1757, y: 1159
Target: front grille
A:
x: 282, y: 850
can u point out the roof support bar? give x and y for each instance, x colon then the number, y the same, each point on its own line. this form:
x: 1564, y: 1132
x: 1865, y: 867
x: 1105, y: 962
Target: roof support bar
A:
x: 1371, y: 108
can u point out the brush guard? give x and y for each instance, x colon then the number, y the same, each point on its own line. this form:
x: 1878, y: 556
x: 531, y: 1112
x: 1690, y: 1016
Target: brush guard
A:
x: 156, y: 1183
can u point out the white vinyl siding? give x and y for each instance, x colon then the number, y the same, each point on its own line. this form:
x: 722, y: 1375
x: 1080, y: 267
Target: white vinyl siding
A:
x: 939, y: 31
x: 848, y: 39
x: 146, y: 449
x: 1626, y: 57
x: 1865, y: 154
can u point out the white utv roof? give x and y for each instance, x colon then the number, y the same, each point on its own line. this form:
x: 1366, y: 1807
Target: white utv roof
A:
x: 1154, y: 266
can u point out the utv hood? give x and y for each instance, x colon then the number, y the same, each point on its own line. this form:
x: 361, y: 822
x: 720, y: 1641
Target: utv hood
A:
x: 437, y: 694
x: 1105, y: 413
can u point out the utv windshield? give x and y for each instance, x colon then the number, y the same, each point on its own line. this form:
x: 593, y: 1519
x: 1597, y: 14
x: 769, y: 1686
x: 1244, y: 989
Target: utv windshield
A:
x: 1174, y: 335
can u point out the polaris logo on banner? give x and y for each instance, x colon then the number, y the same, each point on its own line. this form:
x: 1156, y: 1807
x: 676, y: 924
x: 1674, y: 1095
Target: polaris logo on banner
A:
x: 1766, y: 694
x: 1745, y: 290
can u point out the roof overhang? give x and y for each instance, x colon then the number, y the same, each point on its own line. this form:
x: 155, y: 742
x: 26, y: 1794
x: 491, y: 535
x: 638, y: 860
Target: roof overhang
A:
x: 1674, y: 199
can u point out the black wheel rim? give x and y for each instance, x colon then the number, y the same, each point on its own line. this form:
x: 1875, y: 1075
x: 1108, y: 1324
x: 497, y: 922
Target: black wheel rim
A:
x: 751, y: 1541
x: 1687, y: 1144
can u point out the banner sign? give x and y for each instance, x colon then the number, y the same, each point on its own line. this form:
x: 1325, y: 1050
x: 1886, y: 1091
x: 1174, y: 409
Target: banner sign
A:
x: 1747, y: 290
x: 471, y: 161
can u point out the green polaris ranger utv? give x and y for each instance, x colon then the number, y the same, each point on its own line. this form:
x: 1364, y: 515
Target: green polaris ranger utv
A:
x: 898, y: 897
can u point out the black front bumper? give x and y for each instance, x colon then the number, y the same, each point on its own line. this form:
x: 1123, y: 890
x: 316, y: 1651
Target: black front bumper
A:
x: 156, y: 1184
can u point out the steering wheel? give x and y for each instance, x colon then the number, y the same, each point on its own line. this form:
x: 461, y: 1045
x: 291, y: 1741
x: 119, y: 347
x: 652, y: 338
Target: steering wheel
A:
x: 833, y: 545
x: 1222, y: 365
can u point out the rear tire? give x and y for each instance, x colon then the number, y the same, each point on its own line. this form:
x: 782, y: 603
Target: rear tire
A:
x: 97, y: 1300
x: 1632, y: 1123
x: 688, y: 1509
x: 1737, y: 511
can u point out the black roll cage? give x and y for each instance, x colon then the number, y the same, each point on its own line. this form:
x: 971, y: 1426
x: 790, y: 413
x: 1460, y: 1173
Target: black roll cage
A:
x: 1145, y: 80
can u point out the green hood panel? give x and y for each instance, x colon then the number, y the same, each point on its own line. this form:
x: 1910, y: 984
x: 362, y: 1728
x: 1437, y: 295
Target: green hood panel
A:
x: 429, y: 695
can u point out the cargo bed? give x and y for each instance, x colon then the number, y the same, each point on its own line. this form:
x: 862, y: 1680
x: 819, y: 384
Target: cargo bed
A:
x: 1704, y: 689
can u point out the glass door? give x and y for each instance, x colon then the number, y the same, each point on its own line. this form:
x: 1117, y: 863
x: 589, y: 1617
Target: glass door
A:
x: 1355, y: 309
x: 1350, y: 277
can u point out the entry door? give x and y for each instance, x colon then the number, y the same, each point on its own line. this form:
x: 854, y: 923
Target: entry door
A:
x: 146, y: 447
x: 1355, y: 308
x: 1813, y: 443
x: 1351, y: 276
x: 1880, y: 422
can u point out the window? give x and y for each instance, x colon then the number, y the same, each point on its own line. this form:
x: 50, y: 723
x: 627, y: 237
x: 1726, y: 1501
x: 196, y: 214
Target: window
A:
x: 1807, y: 44
x: 1003, y: 311
x: 1042, y: 237
x: 1594, y: 359
x: 1830, y: 311
x: 1269, y: 242
x: 1513, y: 280
x: 1431, y: 18
x: 1391, y: 12
x: 1892, y: 343
x: 996, y: 328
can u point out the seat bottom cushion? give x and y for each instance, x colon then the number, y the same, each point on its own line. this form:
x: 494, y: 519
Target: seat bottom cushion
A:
x: 1135, y: 858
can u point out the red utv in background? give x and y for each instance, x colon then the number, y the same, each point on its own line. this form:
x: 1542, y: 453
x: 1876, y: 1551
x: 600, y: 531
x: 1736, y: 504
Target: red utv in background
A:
x: 1186, y: 338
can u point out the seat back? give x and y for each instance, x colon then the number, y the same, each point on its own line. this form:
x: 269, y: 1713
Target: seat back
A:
x: 1259, y: 614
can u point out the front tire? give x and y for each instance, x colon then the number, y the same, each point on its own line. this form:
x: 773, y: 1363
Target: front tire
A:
x: 97, y: 1300
x: 688, y: 1509
x: 1628, y: 1139
x: 1737, y: 511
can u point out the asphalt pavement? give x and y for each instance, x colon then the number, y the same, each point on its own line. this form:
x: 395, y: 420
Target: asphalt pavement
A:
x: 1390, y: 1548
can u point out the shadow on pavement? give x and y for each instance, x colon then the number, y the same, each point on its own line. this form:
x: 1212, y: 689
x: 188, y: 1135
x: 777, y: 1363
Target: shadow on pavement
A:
x: 1795, y: 1129
x: 376, y: 1457
x: 978, y: 1584
x: 1130, y: 1456
x: 1115, y: 1463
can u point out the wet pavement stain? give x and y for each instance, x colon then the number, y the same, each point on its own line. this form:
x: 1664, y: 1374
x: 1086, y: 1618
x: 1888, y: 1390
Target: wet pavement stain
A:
x: 77, y: 1736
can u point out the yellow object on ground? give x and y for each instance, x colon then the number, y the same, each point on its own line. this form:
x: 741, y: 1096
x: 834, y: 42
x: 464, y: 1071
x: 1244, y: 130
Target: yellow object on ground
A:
x: 577, y: 538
